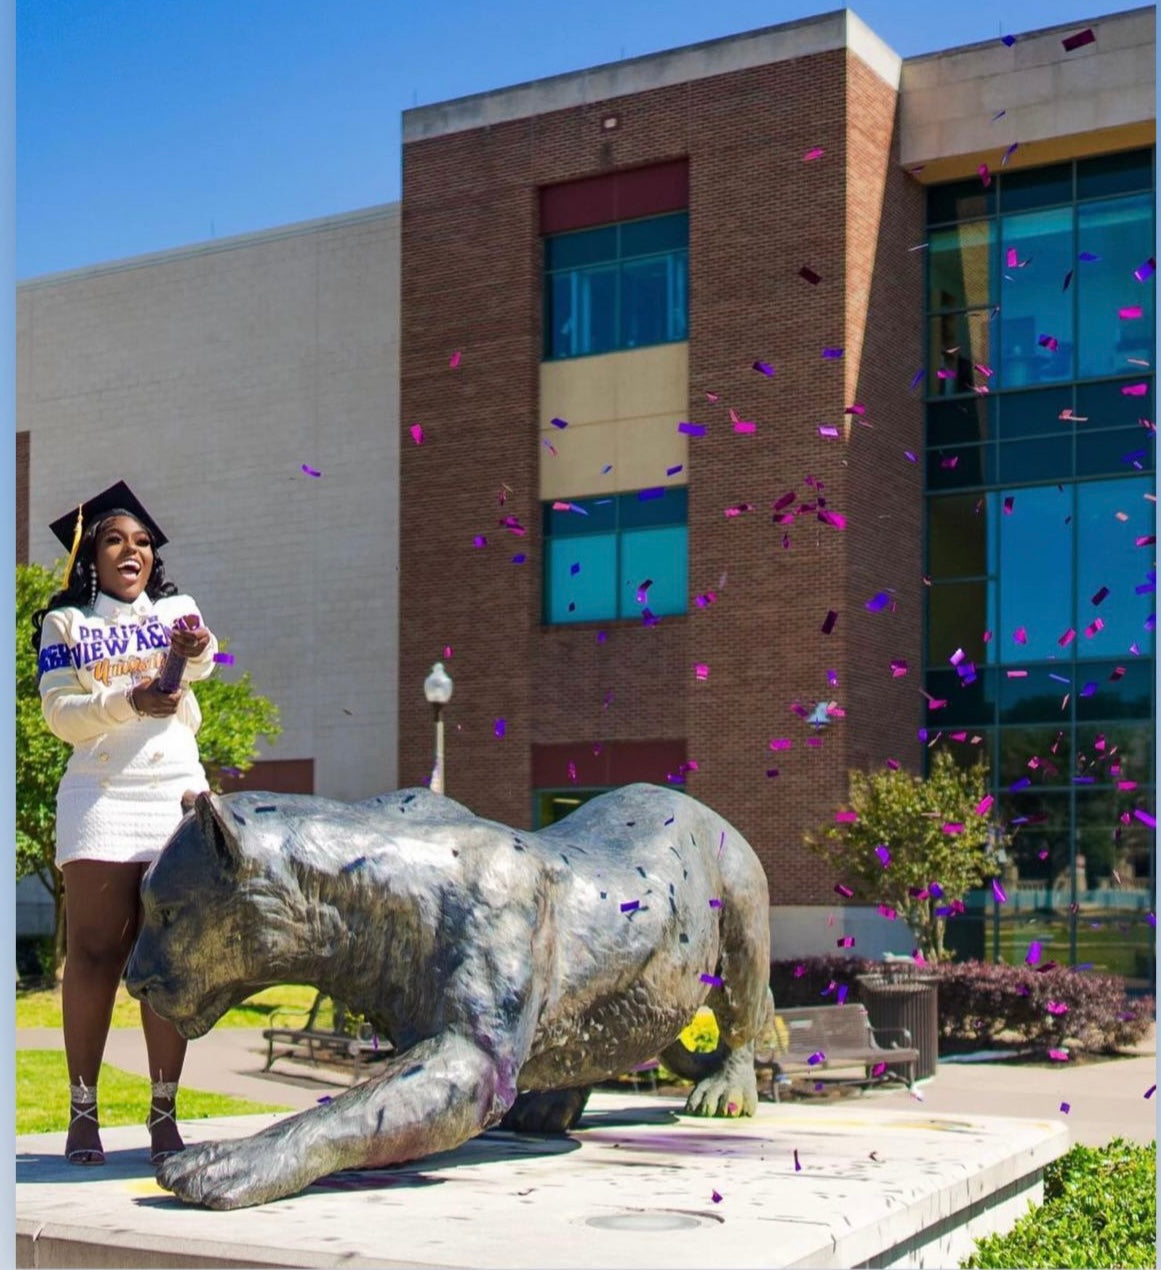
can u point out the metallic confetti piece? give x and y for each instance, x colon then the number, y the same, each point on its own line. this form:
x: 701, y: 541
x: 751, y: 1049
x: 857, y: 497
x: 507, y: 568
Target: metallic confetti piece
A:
x: 1058, y: 1056
x: 606, y: 469
x: 780, y: 743
x: 817, y: 1057
x: 500, y: 727
x: 884, y: 855
x: 998, y: 115
x: 519, y: 558
x: 984, y: 175
x: 845, y: 817
x: 828, y: 622
x: 712, y: 903
x: 763, y: 368
x: 953, y: 826
x: 1079, y: 40
x: 1130, y: 313
x: 715, y: 981
x: 918, y: 376
x: 898, y: 668
x: 1145, y: 818
x: 560, y: 423
x: 832, y: 354
x: 844, y: 891
x: 1056, y: 1007
x: 771, y: 772
x: 878, y: 602
x: 630, y: 906
x: 479, y: 541
x: 715, y: 1197
x: 1147, y: 270
x: 1065, y: 1107
x: 673, y: 471
x: 416, y: 431
x: 816, y: 152
x: 847, y: 941
x: 310, y: 471
x: 1150, y: 1091
x: 745, y: 425
x: 1100, y: 595
x: 1011, y: 150
x: 1067, y: 638
x: 998, y: 892
x: 984, y: 805
x: 1088, y: 256
x: 224, y: 659
x: 454, y: 360
x: 572, y: 772
x: 324, y: 1099
x: 825, y: 430
x: 354, y: 864
x: 809, y: 275
x: 797, y: 1166
x: 1049, y: 342
x: 1032, y: 956
x: 644, y: 495
x: 1008, y: 40
x: 701, y: 670
x: 692, y: 429
x: 1134, y: 390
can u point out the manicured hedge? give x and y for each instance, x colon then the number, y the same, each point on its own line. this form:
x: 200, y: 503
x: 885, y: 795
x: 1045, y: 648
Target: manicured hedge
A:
x: 1099, y: 1210
x: 980, y: 1000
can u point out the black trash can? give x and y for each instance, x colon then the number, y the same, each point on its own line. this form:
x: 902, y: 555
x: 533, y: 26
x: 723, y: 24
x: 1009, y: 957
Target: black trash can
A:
x: 900, y: 996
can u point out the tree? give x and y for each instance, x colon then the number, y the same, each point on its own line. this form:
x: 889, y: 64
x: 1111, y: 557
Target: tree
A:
x: 234, y: 717
x: 910, y: 832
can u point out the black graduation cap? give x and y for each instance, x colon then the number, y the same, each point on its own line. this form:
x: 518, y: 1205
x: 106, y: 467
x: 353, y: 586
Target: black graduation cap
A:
x: 117, y: 498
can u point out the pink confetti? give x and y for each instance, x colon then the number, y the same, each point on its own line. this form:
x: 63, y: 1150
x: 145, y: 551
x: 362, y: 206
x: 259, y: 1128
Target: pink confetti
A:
x: 745, y: 425
x: 844, y: 891
x: 1067, y: 638
x: 416, y: 431
x: 845, y: 817
x: 898, y: 668
x: 781, y: 743
x: 985, y: 175
x: 1131, y: 312
x: 892, y: 764
x: 999, y: 892
x: 953, y: 826
x: 1145, y: 818
x: 701, y: 670
x: 454, y: 360
x: 1020, y: 635
x: 984, y: 805
x: 1056, y: 1007
x: 814, y: 153
x: 224, y: 659
x: 1134, y: 390
x: 500, y: 727
x: 310, y: 471
x: 1058, y: 1056
x: 847, y: 941
x: 856, y: 409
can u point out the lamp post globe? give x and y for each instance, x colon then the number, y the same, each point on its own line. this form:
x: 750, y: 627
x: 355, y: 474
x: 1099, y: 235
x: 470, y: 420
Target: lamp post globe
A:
x: 437, y: 688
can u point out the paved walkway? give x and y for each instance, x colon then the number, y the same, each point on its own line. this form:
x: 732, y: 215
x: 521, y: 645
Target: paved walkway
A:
x: 1106, y: 1099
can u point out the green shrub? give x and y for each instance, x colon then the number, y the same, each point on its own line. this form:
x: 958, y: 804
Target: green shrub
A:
x: 1100, y: 1209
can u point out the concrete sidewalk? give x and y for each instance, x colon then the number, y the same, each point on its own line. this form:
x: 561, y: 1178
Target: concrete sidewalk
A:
x: 1106, y: 1099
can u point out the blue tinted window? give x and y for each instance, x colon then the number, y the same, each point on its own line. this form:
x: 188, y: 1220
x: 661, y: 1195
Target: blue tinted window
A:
x: 656, y: 556
x: 1035, y: 574
x: 1036, y: 187
x: 1130, y: 696
x: 618, y: 286
x: 580, y: 578
x: 1029, y: 414
x: 959, y: 266
x: 1120, y: 232
x: 962, y: 421
x: 1114, y: 174
x: 1036, y: 336
x: 953, y: 467
x: 595, y: 566
x: 1108, y: 557
x: 1044, y: 459
x: 1114, y: 452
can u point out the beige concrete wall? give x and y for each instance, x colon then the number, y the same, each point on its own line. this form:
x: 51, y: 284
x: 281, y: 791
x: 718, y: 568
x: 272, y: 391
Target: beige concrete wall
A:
x: 1105, y: 91
x: 622, y: 409
x: 206, y: 377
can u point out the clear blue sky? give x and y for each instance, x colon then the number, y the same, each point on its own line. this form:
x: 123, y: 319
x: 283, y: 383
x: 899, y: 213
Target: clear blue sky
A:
x: 148, y: 124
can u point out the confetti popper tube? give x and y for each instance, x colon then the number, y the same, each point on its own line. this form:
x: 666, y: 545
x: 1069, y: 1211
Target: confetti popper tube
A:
x: 171, y: 672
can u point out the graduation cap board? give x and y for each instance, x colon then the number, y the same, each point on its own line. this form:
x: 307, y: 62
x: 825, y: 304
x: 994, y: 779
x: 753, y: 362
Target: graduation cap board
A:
x: 117, y: 498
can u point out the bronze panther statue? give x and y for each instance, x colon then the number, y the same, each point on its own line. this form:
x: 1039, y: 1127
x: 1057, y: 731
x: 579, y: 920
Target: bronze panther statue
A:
x: 510, y: 970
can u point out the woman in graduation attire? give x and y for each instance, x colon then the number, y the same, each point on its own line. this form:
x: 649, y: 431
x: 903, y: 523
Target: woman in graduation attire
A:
x: 101, y: 643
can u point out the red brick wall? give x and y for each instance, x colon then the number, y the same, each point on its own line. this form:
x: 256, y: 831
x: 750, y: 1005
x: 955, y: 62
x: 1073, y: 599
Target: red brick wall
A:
x: 22, y: 471
x: 758, y: 213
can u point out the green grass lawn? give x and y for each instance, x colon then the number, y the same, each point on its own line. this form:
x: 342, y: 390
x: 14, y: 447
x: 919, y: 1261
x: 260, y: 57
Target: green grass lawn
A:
x: 42, y: 1096
x: 42, y: 1009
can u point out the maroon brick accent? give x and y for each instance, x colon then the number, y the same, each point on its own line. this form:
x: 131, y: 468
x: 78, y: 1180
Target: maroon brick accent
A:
x: 277, y: 776
x: 23, y: 458
x: 758, y: 213
x: 599, y: 763
x: 614, y: 196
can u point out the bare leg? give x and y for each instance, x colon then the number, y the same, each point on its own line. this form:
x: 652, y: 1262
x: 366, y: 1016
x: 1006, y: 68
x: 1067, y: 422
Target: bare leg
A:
x: 166, y: 1049
x: 101, y: 907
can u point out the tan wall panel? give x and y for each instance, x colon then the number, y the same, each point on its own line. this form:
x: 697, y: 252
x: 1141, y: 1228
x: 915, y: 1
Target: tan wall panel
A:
x: 622, y: 408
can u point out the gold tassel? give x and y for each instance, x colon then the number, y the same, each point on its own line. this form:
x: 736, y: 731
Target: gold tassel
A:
x: 76, y: 544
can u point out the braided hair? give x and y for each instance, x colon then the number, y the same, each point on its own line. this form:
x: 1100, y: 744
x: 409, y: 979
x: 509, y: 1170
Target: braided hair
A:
x: 81, y: 587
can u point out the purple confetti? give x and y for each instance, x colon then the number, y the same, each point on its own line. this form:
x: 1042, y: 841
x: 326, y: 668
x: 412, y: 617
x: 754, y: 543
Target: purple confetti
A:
x: 1008, y: 40
x: 224, y: 659
x: 310, y: 471
x: 1147, y: 270
x: 560, y: 423
x: 877, y: 602
x: 832, y: 354
x: 519, y: 558
x: 644, y: 495
x: 998, y: 892
x: 500, y: 727
x: 817, y: 1057
x: 883, y: 854
x: 630, y: 906
x: 715, y: 981
x: 1079, y: 40
x: 692, y: 429
x: 1145, y: 818
x: 828, y: 622
x: 764, y: 368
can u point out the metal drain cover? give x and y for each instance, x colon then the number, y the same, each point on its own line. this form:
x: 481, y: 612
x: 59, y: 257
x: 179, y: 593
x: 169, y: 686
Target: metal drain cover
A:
x: 644, y: 1221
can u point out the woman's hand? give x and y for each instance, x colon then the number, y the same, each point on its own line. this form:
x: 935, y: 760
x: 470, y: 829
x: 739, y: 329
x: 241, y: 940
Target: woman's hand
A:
x: 148, y: 700
x: 189, y: 643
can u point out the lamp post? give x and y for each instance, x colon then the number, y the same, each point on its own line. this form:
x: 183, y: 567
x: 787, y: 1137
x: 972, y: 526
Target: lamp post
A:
x: 437, y: 688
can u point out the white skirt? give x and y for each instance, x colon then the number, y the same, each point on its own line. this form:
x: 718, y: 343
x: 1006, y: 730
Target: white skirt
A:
x: 120, y: 797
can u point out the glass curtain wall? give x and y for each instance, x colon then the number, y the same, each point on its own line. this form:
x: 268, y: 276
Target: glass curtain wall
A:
x: 1041, y: 552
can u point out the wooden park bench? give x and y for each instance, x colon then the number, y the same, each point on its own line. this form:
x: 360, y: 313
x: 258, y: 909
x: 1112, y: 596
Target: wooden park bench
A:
x: 314, y: 1043
x: 845, y: 1039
